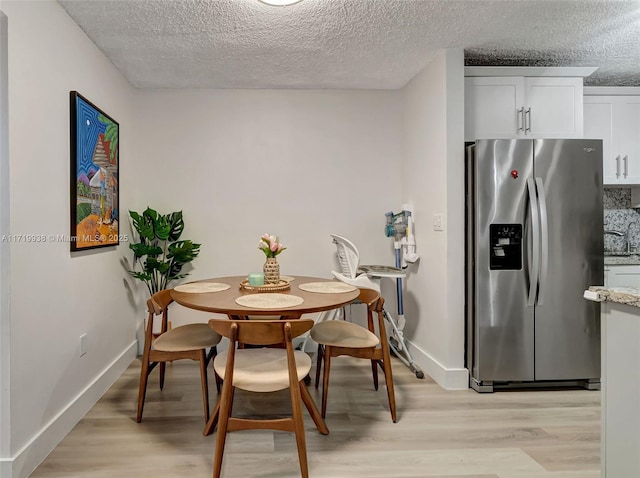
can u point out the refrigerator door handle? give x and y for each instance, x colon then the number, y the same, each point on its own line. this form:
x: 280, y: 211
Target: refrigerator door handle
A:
x: 535, y: 243
x: 544, y: 235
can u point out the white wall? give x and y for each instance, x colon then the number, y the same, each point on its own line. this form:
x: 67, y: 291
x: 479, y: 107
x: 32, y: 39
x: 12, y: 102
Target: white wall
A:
x: 299, y: 164
x: 434, y: 183
x: 56, y: 296
x: 304, y: 164
x: 5, y: 409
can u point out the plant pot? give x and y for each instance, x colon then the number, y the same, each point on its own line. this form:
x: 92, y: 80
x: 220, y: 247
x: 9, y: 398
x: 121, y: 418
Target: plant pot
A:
x: 271, y: 271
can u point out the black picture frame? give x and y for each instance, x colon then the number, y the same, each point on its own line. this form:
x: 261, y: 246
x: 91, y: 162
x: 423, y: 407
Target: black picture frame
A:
x: 95, y: 175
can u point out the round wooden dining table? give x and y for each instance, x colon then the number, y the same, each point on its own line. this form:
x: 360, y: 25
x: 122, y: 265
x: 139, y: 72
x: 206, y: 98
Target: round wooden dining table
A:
x: 222, y: 300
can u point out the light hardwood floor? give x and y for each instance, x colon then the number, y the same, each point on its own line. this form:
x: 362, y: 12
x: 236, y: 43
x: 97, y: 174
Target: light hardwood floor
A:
x: 453, y: 434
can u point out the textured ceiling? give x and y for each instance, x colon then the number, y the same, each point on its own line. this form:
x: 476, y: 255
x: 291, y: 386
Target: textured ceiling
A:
x: 363, y: 44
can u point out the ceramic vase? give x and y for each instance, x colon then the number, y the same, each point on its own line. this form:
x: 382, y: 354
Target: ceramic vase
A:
x: 271, y: 271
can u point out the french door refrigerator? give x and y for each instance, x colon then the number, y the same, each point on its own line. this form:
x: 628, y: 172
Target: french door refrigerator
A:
x: 534, y: 243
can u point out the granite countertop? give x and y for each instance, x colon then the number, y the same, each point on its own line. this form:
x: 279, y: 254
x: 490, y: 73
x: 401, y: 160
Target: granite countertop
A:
x: 621, y: 295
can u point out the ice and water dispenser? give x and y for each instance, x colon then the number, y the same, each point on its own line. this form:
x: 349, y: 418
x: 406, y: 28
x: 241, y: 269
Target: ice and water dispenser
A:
x: 505, y: 246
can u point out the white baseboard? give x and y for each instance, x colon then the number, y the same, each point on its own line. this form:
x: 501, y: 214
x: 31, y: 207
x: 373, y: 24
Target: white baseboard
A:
x: 5, y: 468
x: 447, y: 378
x: 43, y: 442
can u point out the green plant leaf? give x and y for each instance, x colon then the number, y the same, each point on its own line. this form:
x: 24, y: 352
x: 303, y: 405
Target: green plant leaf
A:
x: 150, y: 213
x: 152, y: 264
x: 143, y: 276
x: 177, y: 225
x: 183, y: 251
x: 135, y: 216
x: 141, y: 250
x: 161, y: 227
x: 142, y: 225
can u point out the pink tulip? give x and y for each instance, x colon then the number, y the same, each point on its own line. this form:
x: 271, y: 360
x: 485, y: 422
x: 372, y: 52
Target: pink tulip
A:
x: 269, y: 245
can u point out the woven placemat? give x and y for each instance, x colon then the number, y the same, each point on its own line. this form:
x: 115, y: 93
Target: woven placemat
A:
x: 334, y: 287
x: 269, y: 300
x: 200, y: 287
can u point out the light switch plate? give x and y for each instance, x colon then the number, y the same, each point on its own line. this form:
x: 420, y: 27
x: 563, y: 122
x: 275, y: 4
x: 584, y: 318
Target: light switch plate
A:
x: 438, y: 224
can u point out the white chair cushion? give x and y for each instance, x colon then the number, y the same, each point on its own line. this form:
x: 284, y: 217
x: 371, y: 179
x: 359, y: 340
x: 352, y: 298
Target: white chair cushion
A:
x: 263, y: 369
x: 339, y: 333
x: 187, y: 337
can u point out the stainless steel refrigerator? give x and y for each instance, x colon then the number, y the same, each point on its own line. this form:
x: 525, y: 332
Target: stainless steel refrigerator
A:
x: 534, y: 243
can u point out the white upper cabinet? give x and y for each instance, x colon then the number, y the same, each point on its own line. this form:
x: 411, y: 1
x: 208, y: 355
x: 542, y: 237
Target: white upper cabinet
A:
x: 493, y: 107
x: 615, y: 120
x: 528, y: 102
x: 554, y: 107
x: 523, y: 107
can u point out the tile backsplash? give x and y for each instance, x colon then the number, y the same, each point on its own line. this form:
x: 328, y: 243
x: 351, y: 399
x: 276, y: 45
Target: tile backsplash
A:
x: 621, y: 217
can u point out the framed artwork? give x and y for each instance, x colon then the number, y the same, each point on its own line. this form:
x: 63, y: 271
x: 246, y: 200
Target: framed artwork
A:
x: 95, y: 165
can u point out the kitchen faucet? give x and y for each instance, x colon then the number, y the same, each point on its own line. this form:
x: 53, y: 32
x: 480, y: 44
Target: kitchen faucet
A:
x: 626, y: 237
x: 627, y: 242
x: 621, y: 234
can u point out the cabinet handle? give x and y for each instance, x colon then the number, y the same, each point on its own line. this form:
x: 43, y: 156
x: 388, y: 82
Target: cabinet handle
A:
x: 618, y: 166
x: 527, y: 124
x: 626, y: 165
x: 520, y: 119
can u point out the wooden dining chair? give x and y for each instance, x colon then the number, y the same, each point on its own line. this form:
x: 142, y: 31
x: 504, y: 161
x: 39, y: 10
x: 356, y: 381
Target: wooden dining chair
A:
x: 339, y: 337
x: 189, y: 341
x: 264, y: 369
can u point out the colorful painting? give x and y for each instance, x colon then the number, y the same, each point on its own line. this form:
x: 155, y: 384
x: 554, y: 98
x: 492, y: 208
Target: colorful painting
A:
x: 95, y: 164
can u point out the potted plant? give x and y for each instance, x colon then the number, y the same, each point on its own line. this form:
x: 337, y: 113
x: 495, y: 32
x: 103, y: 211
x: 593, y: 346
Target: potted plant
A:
x: 271, y: 247
x: 159, y: 254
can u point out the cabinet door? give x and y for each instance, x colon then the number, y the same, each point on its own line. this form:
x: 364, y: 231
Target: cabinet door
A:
x: 620, y: 328
x: 626, y: 138
x: 624, y: 276
x: 491, y: 107
x: 556, y: 107
x: 598, y: 117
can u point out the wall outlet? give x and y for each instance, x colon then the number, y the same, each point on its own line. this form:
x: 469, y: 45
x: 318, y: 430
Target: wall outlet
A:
x: 83, y: 344
x: 438, y: 222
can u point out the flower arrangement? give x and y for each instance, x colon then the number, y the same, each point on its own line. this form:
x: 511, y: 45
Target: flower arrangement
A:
x: 270, y: 245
